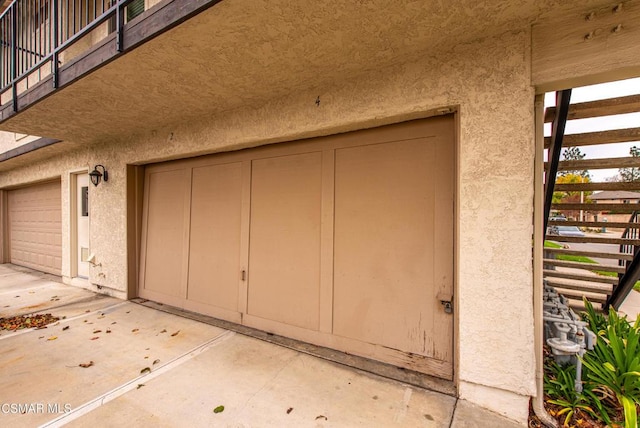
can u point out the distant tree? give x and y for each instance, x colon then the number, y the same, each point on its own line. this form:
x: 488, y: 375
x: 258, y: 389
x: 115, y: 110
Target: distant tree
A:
x: 571, y: 154
x: 571, y: 197
x: 631, y: 174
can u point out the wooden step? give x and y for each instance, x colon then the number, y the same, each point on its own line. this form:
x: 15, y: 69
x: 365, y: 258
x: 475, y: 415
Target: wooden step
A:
x: 595, y: 224
x: 596, y: 254
x: 617, y: 208
x: 607, y: 107
x: 578, y: 295
x: 592, y: 240
x: 573, y: 284
x: 603, y: 163
x: 580, y: 277
x: 586, y: 266
x: 573, y: 187
x: 601, y: 137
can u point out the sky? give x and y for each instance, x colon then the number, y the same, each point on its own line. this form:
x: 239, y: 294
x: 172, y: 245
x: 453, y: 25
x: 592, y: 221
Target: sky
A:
x: 605, y: 123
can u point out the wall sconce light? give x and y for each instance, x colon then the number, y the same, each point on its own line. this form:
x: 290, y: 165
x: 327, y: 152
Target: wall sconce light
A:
x: 96, y: 175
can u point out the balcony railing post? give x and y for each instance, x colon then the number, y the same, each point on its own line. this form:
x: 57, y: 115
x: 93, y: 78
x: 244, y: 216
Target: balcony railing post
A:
x: 54, y: 41
x: 119, y: 24
x: 14, y: 54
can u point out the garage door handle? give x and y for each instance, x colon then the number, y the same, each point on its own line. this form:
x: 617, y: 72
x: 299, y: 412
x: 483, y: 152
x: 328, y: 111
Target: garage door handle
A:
x: 243, y: 275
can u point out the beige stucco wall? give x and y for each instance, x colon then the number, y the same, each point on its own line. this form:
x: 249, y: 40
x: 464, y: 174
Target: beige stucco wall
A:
x: 11, y: 140
x: 489, y: 82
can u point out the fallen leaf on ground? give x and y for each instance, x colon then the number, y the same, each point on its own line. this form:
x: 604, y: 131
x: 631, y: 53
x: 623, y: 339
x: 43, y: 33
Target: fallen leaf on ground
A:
x: 156, y: 362
x: 94, y: 338
x: 218, y: 409
x: 140, y: 385
x: 164, y: 330
x: 113, y: 323
x: 289, y: 410
x: 145, y: 370
x: 321, y: 417
x: 41, y: 337
x: 88, y: 310
x: 65, y: 328
x: 53, y: 338
x: 27, y: 321
x: 134, y: 330
x: 86, y: 365
x: 108, y: 331
x: 176, y: 333
x: 97, y: 331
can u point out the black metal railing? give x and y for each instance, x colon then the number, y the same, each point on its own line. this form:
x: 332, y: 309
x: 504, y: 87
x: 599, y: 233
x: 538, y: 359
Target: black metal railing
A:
x: 34, y: 33
x: 629, y: 233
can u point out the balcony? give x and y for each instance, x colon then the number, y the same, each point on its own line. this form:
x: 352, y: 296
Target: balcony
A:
x: 46, y: 45
x: 95, y: 70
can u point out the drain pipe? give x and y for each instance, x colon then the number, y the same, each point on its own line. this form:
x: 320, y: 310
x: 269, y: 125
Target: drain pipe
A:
x: 538, y: 248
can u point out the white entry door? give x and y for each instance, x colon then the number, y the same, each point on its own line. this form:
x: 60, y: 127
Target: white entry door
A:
x: 82, y: 224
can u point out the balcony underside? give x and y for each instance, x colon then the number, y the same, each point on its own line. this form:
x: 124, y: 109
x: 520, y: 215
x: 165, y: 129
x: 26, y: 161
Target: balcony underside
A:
x: 239, y: 53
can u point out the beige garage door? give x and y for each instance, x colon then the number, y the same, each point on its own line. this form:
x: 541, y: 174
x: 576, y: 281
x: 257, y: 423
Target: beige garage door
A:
x: 35, y: 227
x: 343, y: 241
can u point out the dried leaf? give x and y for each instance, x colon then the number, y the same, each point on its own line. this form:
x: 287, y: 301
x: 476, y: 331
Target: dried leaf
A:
x: 145, y: 370
x: 94, y: 338
x: 86, y: 365
x: 156, y: 362
x: 321, y: 417
x: 65, y: 328
x: 176, y: 333
x: 289, y: 410
x: 113, y: 323
x: 53, y: 338
x: 108, y: 331
x: 134, y: 330
x: 97, y: 331
x: 37, y: 321
x: 88, y: 310
x: 140, y: 385
x: 218, y: 409
x: 164, y: 330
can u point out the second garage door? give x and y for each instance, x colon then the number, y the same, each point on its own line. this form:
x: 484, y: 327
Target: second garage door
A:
x: 343, y: 241
x: 35, y: 227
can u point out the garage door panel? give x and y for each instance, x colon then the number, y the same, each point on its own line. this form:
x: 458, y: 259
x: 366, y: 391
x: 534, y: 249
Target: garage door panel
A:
x: 35, y: 227
x: 385, y: 225
x: 284, y: 251
x: 347, y: 240
x: 167, y: 197
x: 214, y: 260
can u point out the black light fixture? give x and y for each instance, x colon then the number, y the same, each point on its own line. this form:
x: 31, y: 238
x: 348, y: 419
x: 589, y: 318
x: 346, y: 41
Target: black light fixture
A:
x: 96, y: 175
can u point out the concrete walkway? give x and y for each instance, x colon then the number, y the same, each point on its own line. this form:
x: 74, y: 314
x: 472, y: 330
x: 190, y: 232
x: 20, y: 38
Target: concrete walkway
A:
x: 152, y: 368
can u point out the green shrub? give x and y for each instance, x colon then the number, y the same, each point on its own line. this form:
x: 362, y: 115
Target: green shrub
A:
x: 559, y: 386
x: 613, y: 366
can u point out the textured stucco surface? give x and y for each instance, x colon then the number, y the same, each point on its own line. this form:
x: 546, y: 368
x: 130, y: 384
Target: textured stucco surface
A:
x: 488, y: 81
x: 11, y: 140
x: 247, y: 52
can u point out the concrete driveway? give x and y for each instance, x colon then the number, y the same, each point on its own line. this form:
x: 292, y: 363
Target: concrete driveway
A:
x: 108, y: 362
